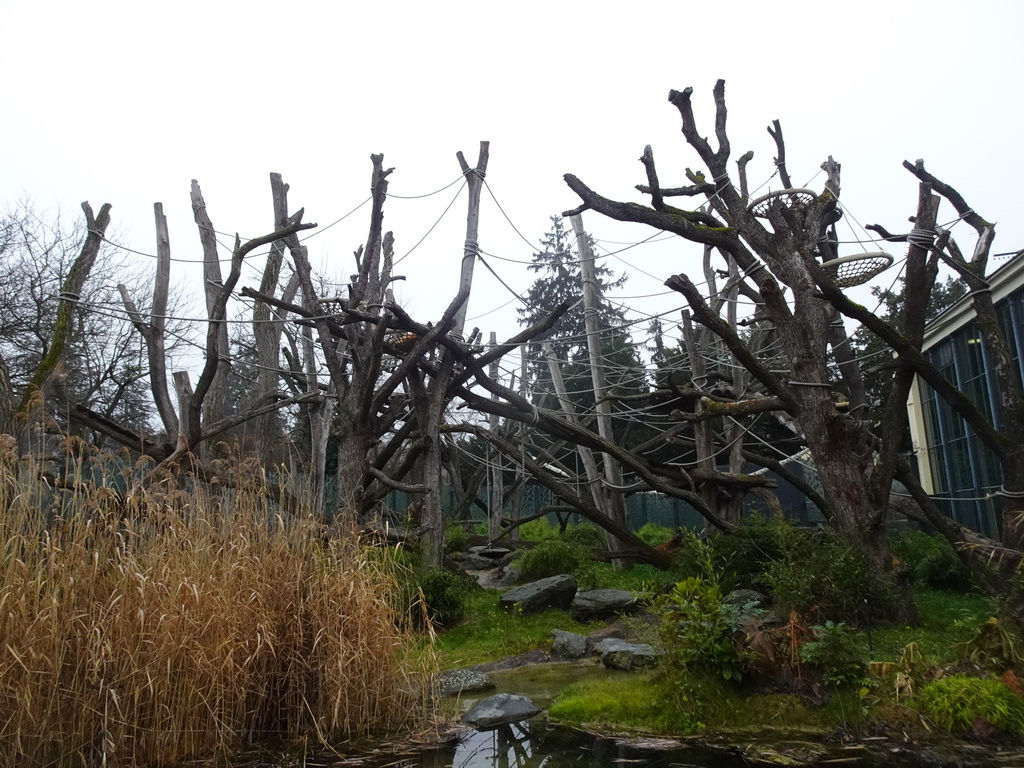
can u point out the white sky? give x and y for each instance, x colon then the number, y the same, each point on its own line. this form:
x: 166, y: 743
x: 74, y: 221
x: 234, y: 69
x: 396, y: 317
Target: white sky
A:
x: 126, y: 102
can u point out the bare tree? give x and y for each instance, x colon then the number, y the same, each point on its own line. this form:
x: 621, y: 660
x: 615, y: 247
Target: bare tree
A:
x: 779, y: 260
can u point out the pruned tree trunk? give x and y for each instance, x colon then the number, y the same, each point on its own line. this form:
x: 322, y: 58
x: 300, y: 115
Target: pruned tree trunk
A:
x: 71, y: 288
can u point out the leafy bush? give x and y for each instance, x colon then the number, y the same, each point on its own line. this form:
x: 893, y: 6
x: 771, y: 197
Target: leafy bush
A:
x: 955, y: 702
x: 551, y: 558
x: 744, y: 555
x: 655, y: 535
x: 839, y: 652
x: 443, y: 595
x: 811, y: 572
x: 818, y: 572
x: 695, y: 630
x: 539, y: 530
x: 585, y: 534
x: 455, y: 538
x: 932, y: 561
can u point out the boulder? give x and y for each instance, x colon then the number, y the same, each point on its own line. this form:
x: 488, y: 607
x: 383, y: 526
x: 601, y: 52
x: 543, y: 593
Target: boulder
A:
x: 602, y: 604
x: 538, y: 596
x: 500, y: 709
x: 455, y: 681
x: 618, y: 654
x: 568, y: 645
x: 497, y: 578
x: 470, y: 561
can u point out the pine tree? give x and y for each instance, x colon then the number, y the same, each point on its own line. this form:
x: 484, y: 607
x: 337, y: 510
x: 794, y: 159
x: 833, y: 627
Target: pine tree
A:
x: 557, y: 265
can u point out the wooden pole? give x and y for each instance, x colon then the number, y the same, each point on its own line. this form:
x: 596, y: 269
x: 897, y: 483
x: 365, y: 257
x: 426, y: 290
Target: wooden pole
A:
x: 591, y: 299
x: 475, y: 182
x: 433, y: 514
x: 702, y: 429
x: 494, y: 465
x: 586, y: 455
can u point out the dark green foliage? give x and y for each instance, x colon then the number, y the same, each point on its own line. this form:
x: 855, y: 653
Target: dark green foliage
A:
x: 455, y: 538
x: 838, y: 652
x: 585, y: 535
x: 655, y: 535
x: 743, y: 557
x: 554, y: 557
x: 932, y: 561
x: 812, y: 572
x: 442, y: 597
x: 695, y: 629
x: 955, y: 703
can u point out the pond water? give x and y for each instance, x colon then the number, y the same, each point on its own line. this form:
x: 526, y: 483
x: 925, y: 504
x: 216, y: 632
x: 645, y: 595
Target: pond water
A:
x: 538, y: 744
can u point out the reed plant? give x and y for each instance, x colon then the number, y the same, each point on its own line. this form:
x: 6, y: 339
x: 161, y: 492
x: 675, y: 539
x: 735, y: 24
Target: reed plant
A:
x: 147, y: 627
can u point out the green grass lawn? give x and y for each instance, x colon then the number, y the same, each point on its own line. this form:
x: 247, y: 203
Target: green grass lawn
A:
x: 487, y: 633
x: 948, y: 620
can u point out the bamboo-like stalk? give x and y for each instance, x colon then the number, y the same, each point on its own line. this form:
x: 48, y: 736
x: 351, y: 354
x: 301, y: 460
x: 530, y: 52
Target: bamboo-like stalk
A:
x: 146, y: 628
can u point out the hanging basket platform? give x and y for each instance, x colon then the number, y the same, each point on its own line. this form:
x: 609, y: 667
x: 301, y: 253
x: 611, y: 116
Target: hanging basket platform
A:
x: 794, y: 199
x: 858, y: 269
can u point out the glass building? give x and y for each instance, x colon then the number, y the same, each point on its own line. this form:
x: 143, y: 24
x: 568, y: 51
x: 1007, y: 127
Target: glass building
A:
x: 953, y: 464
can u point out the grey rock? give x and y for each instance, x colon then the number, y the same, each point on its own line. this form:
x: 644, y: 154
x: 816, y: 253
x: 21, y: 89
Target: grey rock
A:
x: 602, y: 604
x: 497, y: 578
x: 538, y: 596
x: 568, y: 645
x: 474, y: 562
x: 456, y: 681
x: 618, y: 654
x: 500, y: 709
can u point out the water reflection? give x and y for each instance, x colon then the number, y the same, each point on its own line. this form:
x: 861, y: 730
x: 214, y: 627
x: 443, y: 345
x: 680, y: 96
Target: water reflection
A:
x: 533, y: 745
x: 538, y: 745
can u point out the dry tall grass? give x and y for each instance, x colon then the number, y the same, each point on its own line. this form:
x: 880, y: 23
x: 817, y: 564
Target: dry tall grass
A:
x: 146, y: 630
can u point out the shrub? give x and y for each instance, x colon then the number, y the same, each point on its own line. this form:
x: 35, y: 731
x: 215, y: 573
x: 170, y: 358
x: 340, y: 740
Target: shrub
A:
x: 996, y: 646
x: 539, y: 530
x: 695, y: 630
x: 818, y: 572
x: 443, y: 595
x: 551, y: 558
x: 585, y: 534
x: 956, y: 702
x: 455, y: 538
x: 743, y: 556
x: 932, y: 561
x: 838, y: 652
x: 655, y: 535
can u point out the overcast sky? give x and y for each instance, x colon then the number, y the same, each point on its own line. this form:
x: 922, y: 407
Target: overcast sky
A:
x: 126, y: 102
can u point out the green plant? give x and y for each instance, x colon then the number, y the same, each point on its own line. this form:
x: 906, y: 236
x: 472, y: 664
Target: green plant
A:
x: 455, y: 538
x: 996, y: 647
x: 743, y: 556
x: 655, y: 535
x: 539, y: 530
x: 816, y: 573
x: 931, y: 560
x: 551, y: 558
x: 585, y: 534
x: 443, y: 596
x: 955, y: 703
x: 695, y: 630
x: 839, y: 652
